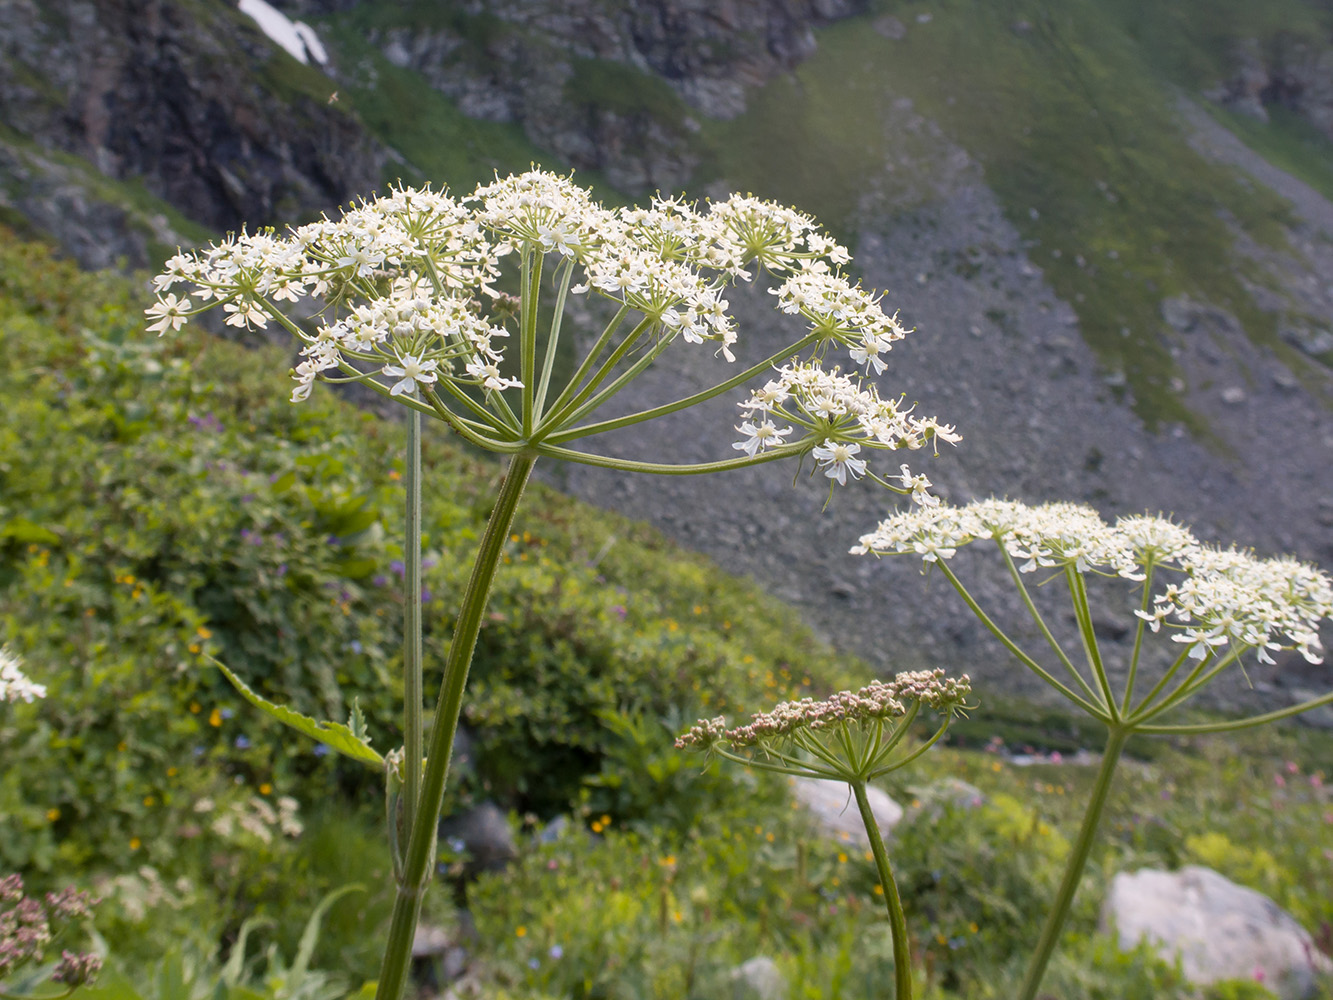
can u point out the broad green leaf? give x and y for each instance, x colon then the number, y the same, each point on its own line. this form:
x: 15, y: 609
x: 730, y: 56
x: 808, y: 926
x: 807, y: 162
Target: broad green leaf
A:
x: 332, y: 734
x: 22, y: 530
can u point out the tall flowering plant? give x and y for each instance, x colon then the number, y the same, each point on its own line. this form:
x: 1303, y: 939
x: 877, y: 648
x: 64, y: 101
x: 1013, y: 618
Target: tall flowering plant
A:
x: 1214, y: 605
x: 413, y: 310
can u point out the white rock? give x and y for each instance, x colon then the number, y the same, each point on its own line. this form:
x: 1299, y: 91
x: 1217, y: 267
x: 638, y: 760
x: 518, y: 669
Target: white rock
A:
x: 758, y: 979
x: 1220, y: 930
x: 833, y: 806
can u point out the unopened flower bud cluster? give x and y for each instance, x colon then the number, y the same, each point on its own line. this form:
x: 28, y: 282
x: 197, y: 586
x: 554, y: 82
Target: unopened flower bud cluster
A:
x: 1213, y: 597
x: 26, y: 930
x: 877, y: 700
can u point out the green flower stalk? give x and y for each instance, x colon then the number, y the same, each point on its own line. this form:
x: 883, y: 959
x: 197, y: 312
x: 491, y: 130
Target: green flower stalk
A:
x: 413, y: 309
x: 1215, y: 605
x: 853, y: 737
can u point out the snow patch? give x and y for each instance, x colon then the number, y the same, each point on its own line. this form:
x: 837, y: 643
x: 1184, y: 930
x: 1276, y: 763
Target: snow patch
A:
x: 298, y: 38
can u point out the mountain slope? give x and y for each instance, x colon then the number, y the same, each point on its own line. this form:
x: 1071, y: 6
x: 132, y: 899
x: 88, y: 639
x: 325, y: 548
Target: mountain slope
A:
x: 1108, y: 307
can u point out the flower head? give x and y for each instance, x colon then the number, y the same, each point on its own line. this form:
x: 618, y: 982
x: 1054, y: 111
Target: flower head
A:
x: 800, y: 734
x: 1212, y: 598
x: 13, y: 684
x: 411, y: 309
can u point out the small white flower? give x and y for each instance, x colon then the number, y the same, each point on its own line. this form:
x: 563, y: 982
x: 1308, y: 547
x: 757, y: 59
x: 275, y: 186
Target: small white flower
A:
x: 920, y: 487
x: 168, y: 312
x: 760, y: 436
x: 837, y: 459
x: 411, y: 372
x: 488, y: 373
x: 13, y: 685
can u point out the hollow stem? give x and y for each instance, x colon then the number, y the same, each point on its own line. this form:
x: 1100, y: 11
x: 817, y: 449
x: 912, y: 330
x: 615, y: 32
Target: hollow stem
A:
x: 1083, y: 613
x: 412, y: 886
x: 1132, y: 676
x: 412, y: 738
x: 1078, y: 860
x: 1231, y: 726
x: 564, y: 272
x: 602, y: 426
x: 902, y: 951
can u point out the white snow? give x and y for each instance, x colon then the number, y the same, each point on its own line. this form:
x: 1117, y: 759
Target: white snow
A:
x: 298, y: 38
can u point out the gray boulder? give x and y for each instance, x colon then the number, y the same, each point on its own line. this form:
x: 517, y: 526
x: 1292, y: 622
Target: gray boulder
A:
x: 758, y: 979
x: 833, y: 808
x: 1220, y: 930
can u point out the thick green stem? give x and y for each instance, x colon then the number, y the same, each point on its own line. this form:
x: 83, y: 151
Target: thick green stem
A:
x: 1083, y: 613
x: 407, y: 904
x: 902, y: 951
x: 601, y: 427
x: 563, y: 274
x: 412, y: 740
x: 1232, y: 726
x: 1078, y: 860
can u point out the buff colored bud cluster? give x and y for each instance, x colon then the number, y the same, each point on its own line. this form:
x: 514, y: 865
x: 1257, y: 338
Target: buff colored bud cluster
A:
x: 26, y: 931
x: 1212, y: 598
x: 879, y: 700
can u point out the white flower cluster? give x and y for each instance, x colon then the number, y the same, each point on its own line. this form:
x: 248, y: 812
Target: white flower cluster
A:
x: 13, y: 684
x: 255, y: 817
x: 842, y: 413
x: 1221, y: 596
x: 409, y: 283
x: 423, y: 263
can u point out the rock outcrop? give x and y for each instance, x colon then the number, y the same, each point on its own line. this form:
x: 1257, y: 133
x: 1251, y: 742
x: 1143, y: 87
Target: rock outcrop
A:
x: 612, y: 88
x: 190, y: 102
x: 1220, y: 930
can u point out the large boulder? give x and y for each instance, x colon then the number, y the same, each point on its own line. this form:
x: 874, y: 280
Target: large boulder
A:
x: 834, y: 810
x: 1220, y: 930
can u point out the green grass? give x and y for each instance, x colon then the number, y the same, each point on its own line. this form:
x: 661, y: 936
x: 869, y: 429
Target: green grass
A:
x: 1288, y: 141
x: 439, y: 142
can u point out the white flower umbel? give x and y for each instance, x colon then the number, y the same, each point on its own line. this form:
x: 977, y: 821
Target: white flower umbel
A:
x: 14, y: 686
x: 1216, y: 604
x: 413, y: 309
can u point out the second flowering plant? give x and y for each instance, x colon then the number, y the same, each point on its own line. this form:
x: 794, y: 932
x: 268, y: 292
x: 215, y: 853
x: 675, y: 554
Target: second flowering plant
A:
x: 418, y: 306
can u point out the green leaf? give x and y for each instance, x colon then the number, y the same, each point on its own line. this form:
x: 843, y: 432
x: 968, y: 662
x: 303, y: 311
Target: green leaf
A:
x: 22, y: 530
x: 356, y: 722
x: 310, y: 936
x: 332, y: 734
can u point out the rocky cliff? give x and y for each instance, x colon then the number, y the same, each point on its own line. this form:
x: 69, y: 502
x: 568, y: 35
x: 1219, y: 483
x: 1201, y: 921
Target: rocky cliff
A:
x: 187, y: 102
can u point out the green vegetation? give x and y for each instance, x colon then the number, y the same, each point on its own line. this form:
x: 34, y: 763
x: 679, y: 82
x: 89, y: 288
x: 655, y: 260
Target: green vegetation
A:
x: 399, y: 105
x: 612, y: 86
x: 162, y: 501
